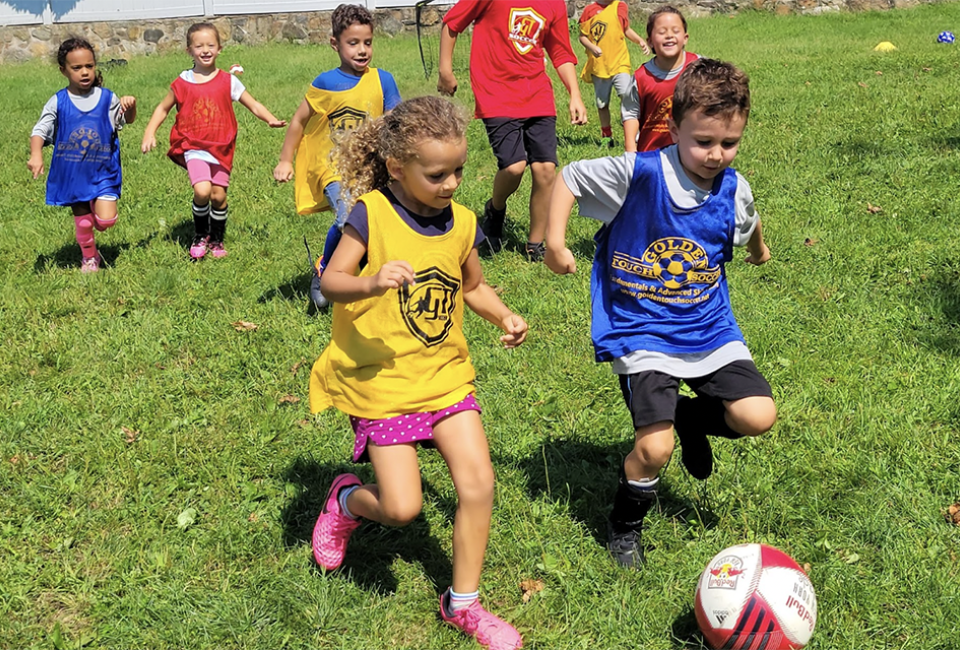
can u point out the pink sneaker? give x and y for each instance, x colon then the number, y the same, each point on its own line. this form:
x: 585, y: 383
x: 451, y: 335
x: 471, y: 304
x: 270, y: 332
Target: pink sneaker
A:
x: 199, y: 247
x: 217, y: 249
x: 333, y: 528
x: 90, y: 264
x: 490, y: 631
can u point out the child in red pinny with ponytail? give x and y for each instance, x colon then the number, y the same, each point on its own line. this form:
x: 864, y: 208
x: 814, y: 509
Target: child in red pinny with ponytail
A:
x: 204, y: 135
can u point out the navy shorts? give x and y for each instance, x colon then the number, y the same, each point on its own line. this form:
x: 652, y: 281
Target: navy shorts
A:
x: 531, y: 139
x: 651, y: 396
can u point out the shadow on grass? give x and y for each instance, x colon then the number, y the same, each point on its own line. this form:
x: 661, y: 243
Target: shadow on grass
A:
x: 584, y: 476
x: 941, y: 295
x: 686, y: 633
x: 182, y: 233
x: 68, y: 255
x: 372, y: 547
x: 294, y: 290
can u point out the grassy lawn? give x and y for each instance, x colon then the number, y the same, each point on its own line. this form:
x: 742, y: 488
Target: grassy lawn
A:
x: 159, y: 478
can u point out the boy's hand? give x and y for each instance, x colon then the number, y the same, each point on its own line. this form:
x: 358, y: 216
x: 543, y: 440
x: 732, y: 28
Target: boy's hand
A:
x: 35, y: 165
x: 578, y: 112
x: 595, y: 50
x: 560, y: 262
x: 148, y: 144
x: 283, y: 172
x: 127, y: 102
x: 516, y: 331
x: 758, y: 259
x: 392, y: 275
x: 447, y: 84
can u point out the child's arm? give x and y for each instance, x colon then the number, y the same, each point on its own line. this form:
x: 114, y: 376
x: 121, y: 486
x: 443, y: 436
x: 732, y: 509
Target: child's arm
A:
x: 159, y: 115
x: 757, y: 251
x: 128, y: 106
x: 339, y: 282
x: 558, y: 257
x: 589, y: 45
x: 630, y: 104
x: 447, y: 82
x: 568, y: 75
x: 35, y: 162
x: 260, y: 111
x: 636, y: 38
x: 484, y: 301
x: 283, y: 172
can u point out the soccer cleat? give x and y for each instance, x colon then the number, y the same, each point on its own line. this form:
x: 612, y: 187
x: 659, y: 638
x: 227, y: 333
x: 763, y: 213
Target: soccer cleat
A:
x: 316, y: 268
x: 696, y: 455
x: 91, y: 264
x: 199, y: 246
x: 625, y: 547
x: 492, y: 226
x: 216, y: 249
x: 492, y: 632
x: 333, y: 528
x: 535, y: 252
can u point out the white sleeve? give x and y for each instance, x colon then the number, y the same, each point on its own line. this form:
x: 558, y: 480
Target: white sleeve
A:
x: 46, y: 126
x: 600, y: 185
x: 630, y: 103
x: 747, y: 217
x: 236, y: 88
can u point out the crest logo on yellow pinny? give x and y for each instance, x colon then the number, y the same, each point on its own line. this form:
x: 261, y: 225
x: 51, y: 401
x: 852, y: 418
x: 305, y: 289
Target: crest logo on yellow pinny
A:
x: 525, y: 28
x: 597, y: 30
x: 345, y: 119
x: 427, y: 306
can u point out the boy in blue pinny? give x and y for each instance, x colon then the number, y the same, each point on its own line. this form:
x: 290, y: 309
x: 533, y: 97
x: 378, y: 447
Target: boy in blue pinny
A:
x: 661, y: 308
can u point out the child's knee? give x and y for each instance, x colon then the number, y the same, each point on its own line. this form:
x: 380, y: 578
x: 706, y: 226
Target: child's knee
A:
x: 400, y: 511
x: 654, y: 450
x: 201, y: 193
x: 516, y: 169
x: 218, y: 196
x: 752, y: 416
x: 544, y: 173
x: 476, y: 488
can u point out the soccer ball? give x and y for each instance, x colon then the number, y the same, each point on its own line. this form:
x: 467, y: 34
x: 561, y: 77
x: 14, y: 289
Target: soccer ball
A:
x: 755, y: 597
x: 674, y: 269
x: 946, y: 37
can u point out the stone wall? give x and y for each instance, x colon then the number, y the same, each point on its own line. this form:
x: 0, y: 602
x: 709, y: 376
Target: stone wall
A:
x: 123, y: 39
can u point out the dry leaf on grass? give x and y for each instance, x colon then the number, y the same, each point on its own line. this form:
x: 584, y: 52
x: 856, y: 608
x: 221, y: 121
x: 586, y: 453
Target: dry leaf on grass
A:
x: 873, y: 209
x: 530, y: 587
x: 809, y: 241
x: 953, y: 514
x: 244, y: 326
x: 297, y: 366
x: 806, y: 568
x: 927, y: 69
x: 289, y: 399
x: 861, y: 84
x: 303, y: 423
x: 130, y: 435
x: 878, y: 73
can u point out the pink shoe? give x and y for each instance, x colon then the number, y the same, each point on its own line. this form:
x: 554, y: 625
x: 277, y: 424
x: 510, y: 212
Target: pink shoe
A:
x: 490, y: 631
x: 333, y: 528
x: 199, y: 247
x: 217, y: 249
x: 90, y: 264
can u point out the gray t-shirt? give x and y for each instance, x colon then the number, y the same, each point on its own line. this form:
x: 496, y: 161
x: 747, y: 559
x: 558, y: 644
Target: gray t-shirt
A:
x: 601, y: 186
x: 46, y: 126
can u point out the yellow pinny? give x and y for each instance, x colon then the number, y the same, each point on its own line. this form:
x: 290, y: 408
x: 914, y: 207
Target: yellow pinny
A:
x: 605, y: 31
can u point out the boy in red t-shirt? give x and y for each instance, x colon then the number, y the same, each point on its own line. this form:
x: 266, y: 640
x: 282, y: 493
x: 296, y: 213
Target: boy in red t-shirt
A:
x: 514, y: 97
x: 650, y: 102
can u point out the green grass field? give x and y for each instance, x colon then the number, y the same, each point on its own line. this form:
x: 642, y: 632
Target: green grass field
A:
x: 159, y: 479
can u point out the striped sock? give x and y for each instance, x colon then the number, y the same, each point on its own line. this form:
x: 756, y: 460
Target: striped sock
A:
x: 218, y: 224
x: 201, y: 219
x: 457, y: 601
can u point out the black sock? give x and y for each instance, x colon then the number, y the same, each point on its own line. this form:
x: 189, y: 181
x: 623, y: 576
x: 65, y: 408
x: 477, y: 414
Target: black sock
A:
x: 201, y: 219
x: 218, y: 224
x: 630, y: 505
x: 705, y: 414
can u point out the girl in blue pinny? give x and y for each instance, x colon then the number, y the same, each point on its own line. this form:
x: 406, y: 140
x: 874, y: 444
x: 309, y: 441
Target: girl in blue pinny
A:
x: 81, y: 122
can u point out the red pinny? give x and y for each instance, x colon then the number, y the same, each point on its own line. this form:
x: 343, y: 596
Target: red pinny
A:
x: 205, y: 120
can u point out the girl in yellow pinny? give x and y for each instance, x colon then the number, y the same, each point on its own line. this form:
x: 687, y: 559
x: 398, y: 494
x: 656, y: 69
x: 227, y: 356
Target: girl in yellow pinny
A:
x: 397, y: 362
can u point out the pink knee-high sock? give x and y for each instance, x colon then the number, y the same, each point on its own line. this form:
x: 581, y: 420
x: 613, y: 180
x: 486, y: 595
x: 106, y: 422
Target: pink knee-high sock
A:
x: 84, y: 224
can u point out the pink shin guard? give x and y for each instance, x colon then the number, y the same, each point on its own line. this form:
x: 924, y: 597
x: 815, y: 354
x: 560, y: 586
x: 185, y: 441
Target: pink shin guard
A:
x: 98, y: 222
x: 84, y: 225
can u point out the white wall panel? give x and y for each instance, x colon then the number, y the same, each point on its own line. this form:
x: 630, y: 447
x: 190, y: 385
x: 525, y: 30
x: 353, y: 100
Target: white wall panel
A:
x: 75, y: 11
x: 22, y: 12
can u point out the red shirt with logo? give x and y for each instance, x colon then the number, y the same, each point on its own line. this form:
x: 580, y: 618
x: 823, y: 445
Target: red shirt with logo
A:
x: 656, y: 105
x: 205, y: 120
x: 507, y: 69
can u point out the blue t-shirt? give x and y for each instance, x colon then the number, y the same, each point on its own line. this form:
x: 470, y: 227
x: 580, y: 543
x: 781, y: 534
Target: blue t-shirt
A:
x: 337, y: 80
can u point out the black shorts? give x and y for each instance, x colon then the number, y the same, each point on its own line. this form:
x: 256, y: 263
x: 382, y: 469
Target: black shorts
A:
x: 651, y: 396
x: 531, y: 139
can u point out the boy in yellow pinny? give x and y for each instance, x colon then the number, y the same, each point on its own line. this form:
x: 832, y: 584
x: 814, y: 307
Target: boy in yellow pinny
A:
x: 603, y: 26
x: 338, y: 101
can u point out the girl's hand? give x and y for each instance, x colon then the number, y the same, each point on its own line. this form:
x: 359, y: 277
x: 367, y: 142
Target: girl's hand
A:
x: 148, y: 144
x: 392, y: 275
x: 127, y: 102
x: 276, y: 124
x: 644, y: 46
x: 560, y: 262
x: 758, y: 257
x: 283, y: 172
x: 35, y: 165
x: 516, y: 331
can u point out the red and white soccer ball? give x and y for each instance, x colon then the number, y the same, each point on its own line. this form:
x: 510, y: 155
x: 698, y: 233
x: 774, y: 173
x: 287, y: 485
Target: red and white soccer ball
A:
x: 755, y: 597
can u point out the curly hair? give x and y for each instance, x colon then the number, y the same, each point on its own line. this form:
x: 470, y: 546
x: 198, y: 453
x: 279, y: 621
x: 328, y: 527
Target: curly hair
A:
x: 76, y: 43
x: 346, y: 15
x: 362, y: 155
x: 714, y: 87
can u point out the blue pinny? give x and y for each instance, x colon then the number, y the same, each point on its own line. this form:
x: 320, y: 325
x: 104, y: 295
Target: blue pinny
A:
x: 86, y: 153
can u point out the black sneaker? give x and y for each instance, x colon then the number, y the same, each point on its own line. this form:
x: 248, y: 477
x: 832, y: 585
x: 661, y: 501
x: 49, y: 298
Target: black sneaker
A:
x: 319, y: 301
x: 492, y: 226
x: 535, y: 252
x: 695, y: 451
x: 625, y: 547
